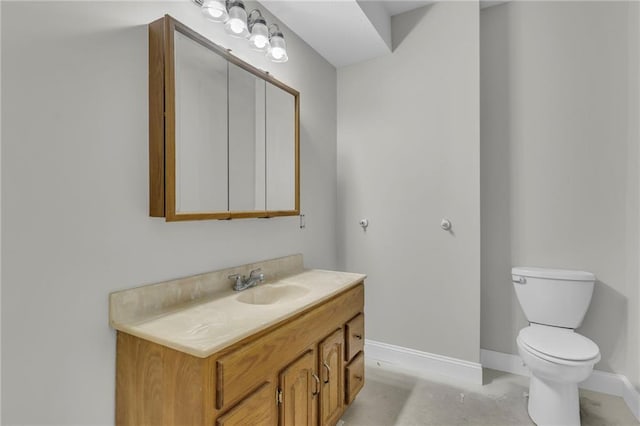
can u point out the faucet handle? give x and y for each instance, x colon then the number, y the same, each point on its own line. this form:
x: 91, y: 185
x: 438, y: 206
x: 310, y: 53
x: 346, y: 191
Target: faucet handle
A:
x: 234, y: 277
x: 255, y: 271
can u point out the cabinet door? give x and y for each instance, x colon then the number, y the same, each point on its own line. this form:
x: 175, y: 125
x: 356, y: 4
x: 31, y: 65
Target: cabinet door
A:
x: 259, y: 408
x: 331, y: 368
x: 299, y: 390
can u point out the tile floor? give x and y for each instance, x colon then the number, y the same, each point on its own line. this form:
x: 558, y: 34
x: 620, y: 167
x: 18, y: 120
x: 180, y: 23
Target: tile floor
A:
x: 393, y: 398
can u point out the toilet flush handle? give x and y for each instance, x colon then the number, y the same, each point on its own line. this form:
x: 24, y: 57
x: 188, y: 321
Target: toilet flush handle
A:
x: 519, y: 280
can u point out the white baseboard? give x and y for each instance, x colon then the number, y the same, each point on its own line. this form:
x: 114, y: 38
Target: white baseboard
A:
x: 422, y: 362
x: 631, y: 397
x: 599, y: 381
x: 605, y: 382
x: 503, y: 362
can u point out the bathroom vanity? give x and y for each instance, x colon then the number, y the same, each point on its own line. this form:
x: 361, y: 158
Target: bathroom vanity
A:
x: 288, y: 351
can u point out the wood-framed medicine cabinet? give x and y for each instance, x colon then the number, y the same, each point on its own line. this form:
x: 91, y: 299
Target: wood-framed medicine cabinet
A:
x: 224, y: 136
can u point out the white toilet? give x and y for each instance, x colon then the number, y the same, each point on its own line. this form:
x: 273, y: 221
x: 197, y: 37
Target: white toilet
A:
x: 555, y: 302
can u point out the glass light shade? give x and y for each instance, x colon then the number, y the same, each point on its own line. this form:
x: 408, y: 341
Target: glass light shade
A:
x: 259, y: 39
x: 214, y: 10
x: 236, y: 26
x: 278, y: 50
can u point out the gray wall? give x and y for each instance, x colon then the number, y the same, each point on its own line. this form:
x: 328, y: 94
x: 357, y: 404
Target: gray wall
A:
x: 408, y: 155
x: 559, y: 160
x: 633, y: 249
x: 75, y: 195
x: 633, y: 193
x: 0, y: 217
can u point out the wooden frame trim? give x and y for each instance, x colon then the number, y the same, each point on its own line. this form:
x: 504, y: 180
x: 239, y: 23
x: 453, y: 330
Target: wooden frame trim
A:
x: 259, y: 214
x: 162, y: 177
x: 156, y: 118
x: 170, y: 120
x: 297, y: 153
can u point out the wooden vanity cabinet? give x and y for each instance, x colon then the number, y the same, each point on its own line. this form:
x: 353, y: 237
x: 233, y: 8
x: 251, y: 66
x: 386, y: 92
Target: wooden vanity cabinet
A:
x: 292, y: 373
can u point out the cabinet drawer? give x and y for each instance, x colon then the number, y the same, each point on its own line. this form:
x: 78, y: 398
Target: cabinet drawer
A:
x: 257, y: 409
x: 355, y: 377
x: 355, y: 336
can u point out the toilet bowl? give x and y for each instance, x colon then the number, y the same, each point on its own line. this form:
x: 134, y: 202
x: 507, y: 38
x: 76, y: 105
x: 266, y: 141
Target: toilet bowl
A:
x: 559, y: 359
x: 555, y: 302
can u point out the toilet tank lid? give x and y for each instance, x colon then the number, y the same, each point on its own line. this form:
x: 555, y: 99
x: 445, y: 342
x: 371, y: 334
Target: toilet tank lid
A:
x: 555, y: 274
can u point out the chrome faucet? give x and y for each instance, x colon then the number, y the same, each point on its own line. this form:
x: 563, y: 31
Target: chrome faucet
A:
x: 242, y: 283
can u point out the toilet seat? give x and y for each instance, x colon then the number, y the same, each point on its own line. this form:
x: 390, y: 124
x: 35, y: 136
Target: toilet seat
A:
x: 558, y: 345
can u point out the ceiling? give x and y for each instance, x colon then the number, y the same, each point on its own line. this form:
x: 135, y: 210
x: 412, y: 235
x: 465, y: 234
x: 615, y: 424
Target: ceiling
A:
x: 401, y: 6
x: 345, y: 32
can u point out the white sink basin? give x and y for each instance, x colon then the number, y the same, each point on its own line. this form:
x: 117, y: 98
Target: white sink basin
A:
x: 270, y: 294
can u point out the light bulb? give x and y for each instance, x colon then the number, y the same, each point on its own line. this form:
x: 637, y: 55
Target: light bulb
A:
x: 236, y: 26
x: 259, y: 39
x: 214, y: 13
x: 214, y: 10
x: 278, y: 50
x: 277, y: 53
x: 237, y: 23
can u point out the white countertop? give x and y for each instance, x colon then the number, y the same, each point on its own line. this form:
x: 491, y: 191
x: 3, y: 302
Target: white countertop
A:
x: 204, y: 326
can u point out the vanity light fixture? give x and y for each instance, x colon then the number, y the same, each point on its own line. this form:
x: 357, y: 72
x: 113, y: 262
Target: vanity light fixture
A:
x: 259, y: 33
x: 261, y: 37
x: 278, y: 50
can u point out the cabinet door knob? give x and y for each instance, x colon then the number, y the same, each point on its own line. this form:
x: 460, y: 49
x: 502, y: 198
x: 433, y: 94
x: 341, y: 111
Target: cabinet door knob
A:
x: 326, y: 366
x: 358, y: 378
x: 358, y: 336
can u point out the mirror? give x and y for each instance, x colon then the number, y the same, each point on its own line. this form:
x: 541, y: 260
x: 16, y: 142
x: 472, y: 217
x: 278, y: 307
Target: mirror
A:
x: 281, y: 160
x: 223, y: 135
x: 247, y: 131
x: 201, y: 127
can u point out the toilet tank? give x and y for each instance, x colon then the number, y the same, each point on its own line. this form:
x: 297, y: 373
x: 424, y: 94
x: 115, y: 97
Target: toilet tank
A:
x: 556, y: 297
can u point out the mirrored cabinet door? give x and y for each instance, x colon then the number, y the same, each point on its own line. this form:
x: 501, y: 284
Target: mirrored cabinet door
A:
x: 201, y: 149
x: 281, y: 150
x: 246, y: 141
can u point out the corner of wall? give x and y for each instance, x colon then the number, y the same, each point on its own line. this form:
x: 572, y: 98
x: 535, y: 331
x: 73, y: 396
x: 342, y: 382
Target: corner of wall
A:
x: 1, y: 209
x: 633, y: 193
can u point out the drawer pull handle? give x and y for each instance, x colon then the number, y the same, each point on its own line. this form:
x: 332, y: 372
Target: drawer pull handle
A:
x: 358, y: 377
x: 326, y: 366
x: 317, y: 379
x: 358, y: 336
